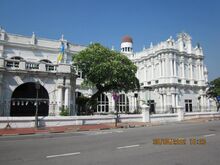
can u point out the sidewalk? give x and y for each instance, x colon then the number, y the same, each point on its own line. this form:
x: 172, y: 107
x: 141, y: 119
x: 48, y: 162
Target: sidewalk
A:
x: 70, y: 128
x: 94, y: 127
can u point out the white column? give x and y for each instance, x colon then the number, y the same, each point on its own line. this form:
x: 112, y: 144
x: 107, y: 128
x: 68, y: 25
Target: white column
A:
x: 199, y: 72
x: 173, y: 100
x: 60, y: 97
x: 145, y: 72
x: 202, y: 74
x: 160, y: 68
x: 67, y: 98
x: 165, y: 102
x: 177, y: 100
x: 174, y: 67
x: 161, y: 103
x: 164, y: 73
x: 171, y: 67
x: 152, y: 71
x: 183, y: 70
x: 191, y: 71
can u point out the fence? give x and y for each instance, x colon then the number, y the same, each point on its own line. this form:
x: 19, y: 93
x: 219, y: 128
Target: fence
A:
x: 21, y: 122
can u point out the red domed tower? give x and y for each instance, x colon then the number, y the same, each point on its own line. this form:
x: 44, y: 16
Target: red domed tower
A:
x: 127, y: 45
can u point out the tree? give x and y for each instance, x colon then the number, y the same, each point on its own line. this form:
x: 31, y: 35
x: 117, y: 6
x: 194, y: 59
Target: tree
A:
x: 107, y: 70
x: 214, y: 91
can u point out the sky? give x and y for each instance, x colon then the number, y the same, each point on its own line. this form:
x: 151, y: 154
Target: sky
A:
x: 107, y: 21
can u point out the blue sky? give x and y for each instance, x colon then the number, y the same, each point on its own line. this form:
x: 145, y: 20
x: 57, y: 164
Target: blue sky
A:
x: 106, y: 21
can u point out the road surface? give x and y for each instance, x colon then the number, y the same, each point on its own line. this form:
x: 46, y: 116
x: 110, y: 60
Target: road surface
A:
x: 132, y: 146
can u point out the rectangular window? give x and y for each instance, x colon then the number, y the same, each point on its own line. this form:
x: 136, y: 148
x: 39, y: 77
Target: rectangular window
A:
x: 188, y: 105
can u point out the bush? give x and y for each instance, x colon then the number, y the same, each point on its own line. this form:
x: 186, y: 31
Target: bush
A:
x: 64, y: 111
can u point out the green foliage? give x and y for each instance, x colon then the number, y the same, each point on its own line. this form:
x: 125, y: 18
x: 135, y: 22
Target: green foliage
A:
x: 106, y: 70
x: 214, y: 90
x: 64, y: 111
x: 84, y: 106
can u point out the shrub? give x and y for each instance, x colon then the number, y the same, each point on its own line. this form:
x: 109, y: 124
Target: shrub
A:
x: 64, y: 111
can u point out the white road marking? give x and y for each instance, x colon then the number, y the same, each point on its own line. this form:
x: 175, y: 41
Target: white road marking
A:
x: 119, y: 131
x: 131, y: 146
x: 101, y: 132
x: 209, y: 135
x: 67, y: 154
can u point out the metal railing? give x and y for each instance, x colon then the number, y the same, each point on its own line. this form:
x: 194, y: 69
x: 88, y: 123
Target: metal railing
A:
x: 32, y: 65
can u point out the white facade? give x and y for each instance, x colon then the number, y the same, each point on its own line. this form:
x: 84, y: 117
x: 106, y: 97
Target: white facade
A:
x: 171, y: 74
x: 27, y: 60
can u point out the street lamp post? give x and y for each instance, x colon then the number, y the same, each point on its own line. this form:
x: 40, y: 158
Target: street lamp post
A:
x: 116, y: 97
x: 37, y: 86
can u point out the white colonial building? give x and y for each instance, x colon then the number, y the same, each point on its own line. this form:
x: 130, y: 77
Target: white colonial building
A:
x: 171, y: 74
x: 24, y: 61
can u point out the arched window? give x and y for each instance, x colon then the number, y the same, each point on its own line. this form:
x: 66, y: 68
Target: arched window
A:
x: 17, y: 58
x: 46, y: 61
x: 14, y: 62
x: 48, y: 64
x: 103, y: 105
x: 123, y: 103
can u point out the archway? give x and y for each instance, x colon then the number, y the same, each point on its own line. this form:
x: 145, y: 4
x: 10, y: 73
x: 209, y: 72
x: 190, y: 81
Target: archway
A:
x: 23, y: 100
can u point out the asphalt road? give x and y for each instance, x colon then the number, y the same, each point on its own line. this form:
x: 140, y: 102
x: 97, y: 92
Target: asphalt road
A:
x: 132, y: 146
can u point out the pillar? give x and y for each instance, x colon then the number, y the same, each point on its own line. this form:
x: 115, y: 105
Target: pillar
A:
x: 145, y: 71
x: 60, y: 97
x: 202, y: 74
x: 174, y: 67
x: 67, y: 98
x: 163, y: 71
x: 183, y: 70
x: 152, y: 71
x: 165, y: 102
x: 145, y: 113
x: 160, y: 68
x: 161, y: 102
x: 173, y: 100
x: 171, y: 68
x: 177, y: 99
x: 191, y: 71
x: 199, y: 72
x: 180, y: 113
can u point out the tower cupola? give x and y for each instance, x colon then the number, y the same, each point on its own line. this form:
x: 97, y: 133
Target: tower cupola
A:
x: 127, y: 45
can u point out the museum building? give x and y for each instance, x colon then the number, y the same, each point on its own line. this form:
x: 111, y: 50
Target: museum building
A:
x: 171, y: 74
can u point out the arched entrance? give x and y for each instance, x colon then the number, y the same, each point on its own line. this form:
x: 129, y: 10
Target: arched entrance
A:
x: 24, y: 100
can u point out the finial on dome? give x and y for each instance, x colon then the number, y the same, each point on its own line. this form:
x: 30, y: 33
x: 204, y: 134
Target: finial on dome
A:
x: 62, y: 37
x: 33, y: 34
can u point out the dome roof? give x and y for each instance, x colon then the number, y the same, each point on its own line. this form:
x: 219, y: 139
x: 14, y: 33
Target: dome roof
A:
x: 127, y: 39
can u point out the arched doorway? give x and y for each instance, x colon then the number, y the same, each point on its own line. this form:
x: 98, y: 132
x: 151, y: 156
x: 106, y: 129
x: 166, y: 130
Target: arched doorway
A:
x: 23, y: 100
